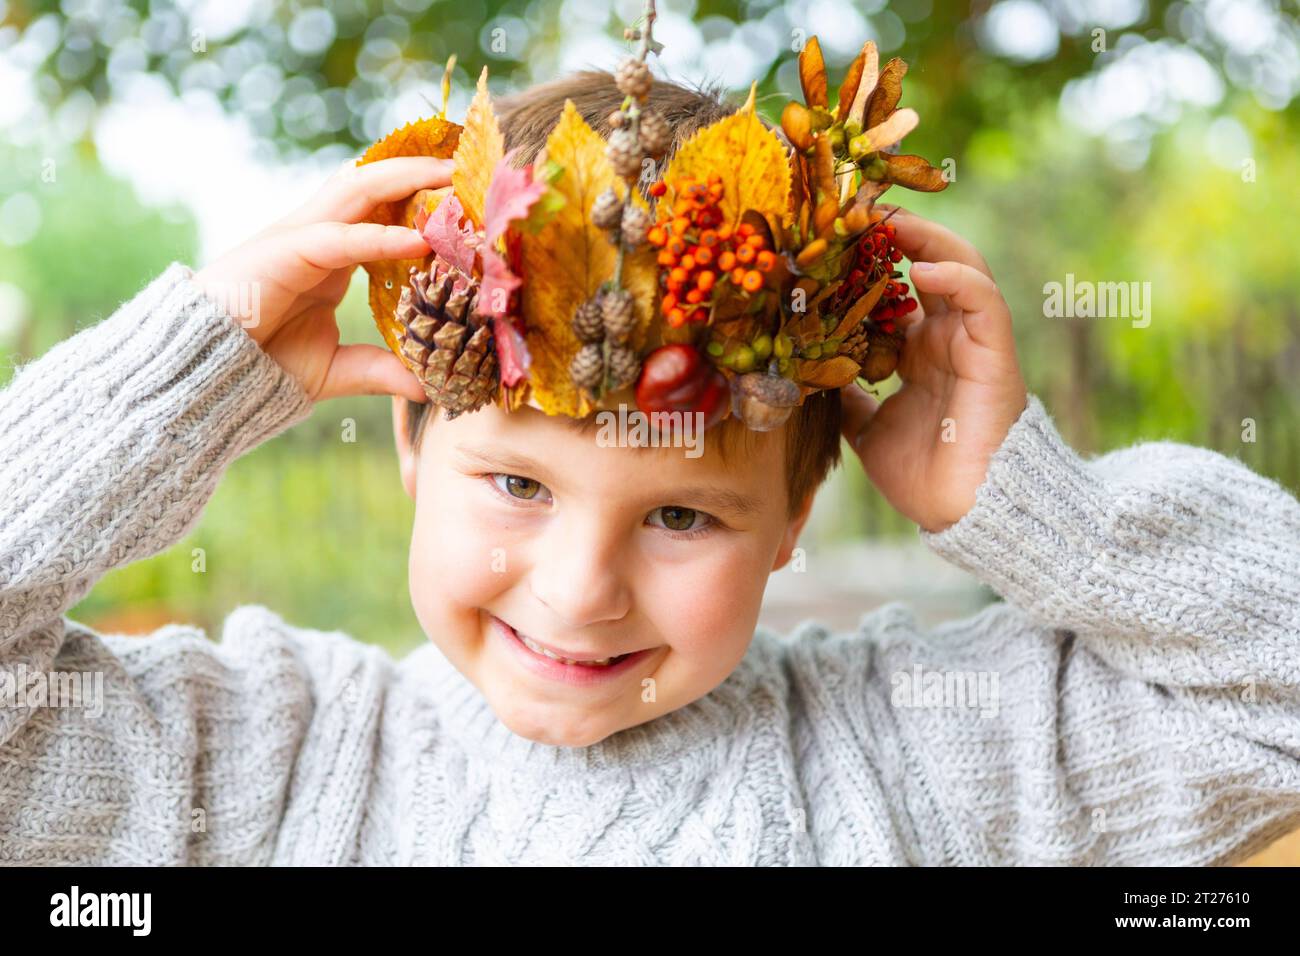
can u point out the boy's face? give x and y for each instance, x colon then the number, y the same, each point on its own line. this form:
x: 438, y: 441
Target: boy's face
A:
x: 525, y: 525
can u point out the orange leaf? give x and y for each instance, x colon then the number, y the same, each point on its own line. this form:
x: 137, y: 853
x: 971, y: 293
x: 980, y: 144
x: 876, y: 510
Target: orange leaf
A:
x: 859, y: 70
x: 828, y: 373
x: 481, y: 148
x: 870, y: 64
x: 812, y: 73
x: 748, y: 158
x: 889, y: 89
x: 429, y: 137
x: 892, y: 130
x: 858, y: 311
x: 914, y: 173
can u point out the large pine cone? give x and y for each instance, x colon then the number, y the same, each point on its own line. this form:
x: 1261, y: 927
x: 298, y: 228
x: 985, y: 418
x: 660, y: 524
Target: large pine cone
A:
x: 874, y: 349
x: 445, y: 342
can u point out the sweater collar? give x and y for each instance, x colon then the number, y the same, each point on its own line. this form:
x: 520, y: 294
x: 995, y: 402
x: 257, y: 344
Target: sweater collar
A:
x: 705, y: 725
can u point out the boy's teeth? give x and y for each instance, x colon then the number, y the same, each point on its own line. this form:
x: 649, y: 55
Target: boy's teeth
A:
x: 534, y: 646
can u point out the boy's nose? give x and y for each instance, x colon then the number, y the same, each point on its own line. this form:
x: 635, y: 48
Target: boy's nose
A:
x: 579, y: 574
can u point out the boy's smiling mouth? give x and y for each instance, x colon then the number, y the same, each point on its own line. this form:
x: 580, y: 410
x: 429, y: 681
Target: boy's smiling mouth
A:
x: 548, y: 662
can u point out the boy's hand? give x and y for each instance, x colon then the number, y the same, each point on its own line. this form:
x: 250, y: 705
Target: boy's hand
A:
x: 284, y: 284
x: 927, y: 446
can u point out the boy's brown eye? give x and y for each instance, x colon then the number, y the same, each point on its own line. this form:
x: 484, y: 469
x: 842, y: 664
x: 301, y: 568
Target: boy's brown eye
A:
x: 522, y: 487
x: 678, y: 519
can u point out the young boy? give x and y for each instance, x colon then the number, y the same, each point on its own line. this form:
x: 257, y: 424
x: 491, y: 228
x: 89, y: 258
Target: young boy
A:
x: 1134, y: 700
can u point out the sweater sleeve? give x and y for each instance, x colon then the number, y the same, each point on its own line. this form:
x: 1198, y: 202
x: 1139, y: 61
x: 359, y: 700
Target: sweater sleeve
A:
x: 110, y: 446
x: 1148, y: 655
x: 112, y: 442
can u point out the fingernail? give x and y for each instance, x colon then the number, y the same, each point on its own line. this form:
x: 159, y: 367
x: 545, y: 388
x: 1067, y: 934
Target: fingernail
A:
x: 923, y: 266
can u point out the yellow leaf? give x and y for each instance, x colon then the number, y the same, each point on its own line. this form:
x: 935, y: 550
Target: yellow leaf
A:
x: 429, y: 137
x: 481, y: 148
x: 564, y: 264
x: 750, y: 160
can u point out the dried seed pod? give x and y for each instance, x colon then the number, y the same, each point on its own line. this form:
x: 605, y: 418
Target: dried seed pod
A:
x: 624, y: 366
x: 656, y: 136
x: 589, y: 322
x: 588, y: 367
x: 634, y: 78
x: 607, y: 210
x: 625, y: 153
x: 636, y: 223
x: 616, y: 306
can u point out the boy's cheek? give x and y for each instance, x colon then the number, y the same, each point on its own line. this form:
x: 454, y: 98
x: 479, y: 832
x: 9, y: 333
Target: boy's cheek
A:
x: 708, y: 615
x: 457, y: 564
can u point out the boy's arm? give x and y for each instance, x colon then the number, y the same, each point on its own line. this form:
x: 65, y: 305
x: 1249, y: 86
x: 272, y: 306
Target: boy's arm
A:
x: 1172, y: 563
x: 1148, y: 707
x: 111, y: 443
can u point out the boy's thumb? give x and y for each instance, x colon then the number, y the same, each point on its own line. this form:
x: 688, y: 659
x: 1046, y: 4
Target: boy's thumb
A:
x: 369, y: 370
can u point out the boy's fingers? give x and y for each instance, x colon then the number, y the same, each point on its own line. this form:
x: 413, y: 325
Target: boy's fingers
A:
x: 351, y: 194
x: 987, y: 318
x: 857, y: 410
x: 924, y: 241
x: 326, y: 246
x: 369, y: 370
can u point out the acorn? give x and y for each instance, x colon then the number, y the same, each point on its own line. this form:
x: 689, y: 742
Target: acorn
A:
x: 764, y: 401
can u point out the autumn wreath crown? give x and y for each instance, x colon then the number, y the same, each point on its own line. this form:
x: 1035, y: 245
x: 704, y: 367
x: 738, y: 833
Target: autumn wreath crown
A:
x: 755, y: 273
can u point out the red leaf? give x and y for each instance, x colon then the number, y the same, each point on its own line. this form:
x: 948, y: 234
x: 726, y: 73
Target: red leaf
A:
x: 497, y: 284
x: 452, y: 242
x: 509, y: 197
x: 512, y: 352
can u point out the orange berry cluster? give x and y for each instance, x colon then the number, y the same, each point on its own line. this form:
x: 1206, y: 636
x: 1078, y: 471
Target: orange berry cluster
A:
x: 697, y: 250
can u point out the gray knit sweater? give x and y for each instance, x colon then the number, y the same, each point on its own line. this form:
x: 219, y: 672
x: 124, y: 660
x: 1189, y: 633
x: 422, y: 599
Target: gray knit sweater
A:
x: 1133, y: 700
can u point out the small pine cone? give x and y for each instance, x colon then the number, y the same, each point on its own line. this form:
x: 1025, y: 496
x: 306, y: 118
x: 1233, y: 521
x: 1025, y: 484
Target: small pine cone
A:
x: 616, y: 305
x: 633, y: 78
x: 624, y: 366
x: 875, y: 350
x: 636, y: 223
x: 655, y: 134
x: 589, y: 322
x: 588, y: 367
x: 857, y: 342
x: 625, y: 153
x: 607, y: 210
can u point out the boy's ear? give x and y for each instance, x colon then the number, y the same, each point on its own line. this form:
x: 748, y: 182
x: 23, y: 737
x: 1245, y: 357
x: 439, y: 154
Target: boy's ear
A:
x: 792, y: 532
x: 405, y: 453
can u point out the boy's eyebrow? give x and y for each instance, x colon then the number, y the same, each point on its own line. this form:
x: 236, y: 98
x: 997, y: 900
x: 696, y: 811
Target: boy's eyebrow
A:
x: 706, y: 496
x: 719, y: 499
x: 492, y: 457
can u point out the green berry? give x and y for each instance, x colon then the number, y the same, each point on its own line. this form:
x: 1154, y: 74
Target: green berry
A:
x: 762, y: 345
x: 744, y: 358
x: 812, y: 351
x: 860, y: 146
x: 714, y: 348
x: 783, y: 347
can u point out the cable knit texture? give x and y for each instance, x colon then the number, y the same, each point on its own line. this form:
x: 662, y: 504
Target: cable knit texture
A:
x: 1132, y: 700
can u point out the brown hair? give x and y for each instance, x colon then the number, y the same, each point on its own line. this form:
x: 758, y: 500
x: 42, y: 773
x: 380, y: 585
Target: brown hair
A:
x: 812, y: 434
